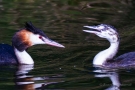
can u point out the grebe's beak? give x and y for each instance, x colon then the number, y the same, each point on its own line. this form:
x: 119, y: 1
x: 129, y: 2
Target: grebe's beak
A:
x: 91, y: 29
x: 52, y: 43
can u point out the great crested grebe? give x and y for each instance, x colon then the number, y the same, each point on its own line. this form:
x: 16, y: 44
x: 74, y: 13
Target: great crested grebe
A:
x: 24, y: 38
x: 105, y: 57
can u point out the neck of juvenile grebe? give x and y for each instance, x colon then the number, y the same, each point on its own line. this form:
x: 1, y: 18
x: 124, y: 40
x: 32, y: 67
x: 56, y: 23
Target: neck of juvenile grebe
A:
x: 106, y: 54
x: 23, y: 57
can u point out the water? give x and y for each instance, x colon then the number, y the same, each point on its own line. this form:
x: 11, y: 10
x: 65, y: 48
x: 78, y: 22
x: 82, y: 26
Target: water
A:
x: 63, y: 20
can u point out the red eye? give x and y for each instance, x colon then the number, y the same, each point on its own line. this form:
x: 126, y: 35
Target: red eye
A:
x: 40, y: 37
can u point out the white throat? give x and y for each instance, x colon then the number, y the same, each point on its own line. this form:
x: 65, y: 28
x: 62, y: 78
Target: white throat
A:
x: 23, y: 57
x: 107, y: 54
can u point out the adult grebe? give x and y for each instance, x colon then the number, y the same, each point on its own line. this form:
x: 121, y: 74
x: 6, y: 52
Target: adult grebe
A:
x: 104, y: 58
x: 24, y: 38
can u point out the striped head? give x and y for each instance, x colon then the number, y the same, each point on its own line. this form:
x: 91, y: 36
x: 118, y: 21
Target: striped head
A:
x: 30, y: 36
x: 104, y: 31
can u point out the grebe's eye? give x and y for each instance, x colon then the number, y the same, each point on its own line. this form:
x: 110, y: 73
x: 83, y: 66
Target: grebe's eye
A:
x: 40, y: 37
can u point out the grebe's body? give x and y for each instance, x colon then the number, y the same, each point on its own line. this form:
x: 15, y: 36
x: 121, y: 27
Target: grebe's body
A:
x: 105, y: 57
x: 23, y: 39
x: 7, y: 55
x: 125, y: 60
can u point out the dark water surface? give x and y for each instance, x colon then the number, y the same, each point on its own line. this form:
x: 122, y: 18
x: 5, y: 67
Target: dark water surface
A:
x: 69, y: 68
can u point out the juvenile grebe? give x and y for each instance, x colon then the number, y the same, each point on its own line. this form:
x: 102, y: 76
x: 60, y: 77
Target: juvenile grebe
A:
x: 24, y: 38
x: 105, y: 57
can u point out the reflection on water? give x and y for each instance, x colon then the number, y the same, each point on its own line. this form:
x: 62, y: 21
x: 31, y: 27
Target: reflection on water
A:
x: 112, y: 75
x: 25, y: 81
x: 26, y: 77
x: 116, y: 78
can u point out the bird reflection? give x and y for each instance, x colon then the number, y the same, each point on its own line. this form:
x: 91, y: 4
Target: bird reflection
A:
x: 25, y: 81
x: 114, y: 77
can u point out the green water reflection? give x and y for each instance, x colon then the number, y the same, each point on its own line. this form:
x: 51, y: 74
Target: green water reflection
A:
x: 62, y: 20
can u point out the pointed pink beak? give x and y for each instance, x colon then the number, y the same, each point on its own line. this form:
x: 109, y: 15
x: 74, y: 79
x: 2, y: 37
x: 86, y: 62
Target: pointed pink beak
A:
x: 53, y: 43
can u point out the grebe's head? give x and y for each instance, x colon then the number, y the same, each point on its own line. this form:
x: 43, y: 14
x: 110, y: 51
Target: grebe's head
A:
x: 29, y: 36
x: 104, y: 31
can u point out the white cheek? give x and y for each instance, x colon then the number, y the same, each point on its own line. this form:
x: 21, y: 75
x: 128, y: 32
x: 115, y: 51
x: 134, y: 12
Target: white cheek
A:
x: 102, y: 35
x: 34, y: 38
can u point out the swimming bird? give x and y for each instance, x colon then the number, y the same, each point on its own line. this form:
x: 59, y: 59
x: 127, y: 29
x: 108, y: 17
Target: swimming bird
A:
x: 23, y: 39
x: 106, y: 57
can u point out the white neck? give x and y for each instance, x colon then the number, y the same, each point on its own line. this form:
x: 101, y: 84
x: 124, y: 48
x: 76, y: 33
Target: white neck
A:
x: 107, y: 54
x: 23, y: 57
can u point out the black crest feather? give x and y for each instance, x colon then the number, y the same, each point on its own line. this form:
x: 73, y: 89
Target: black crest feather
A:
x: 30, y: 27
